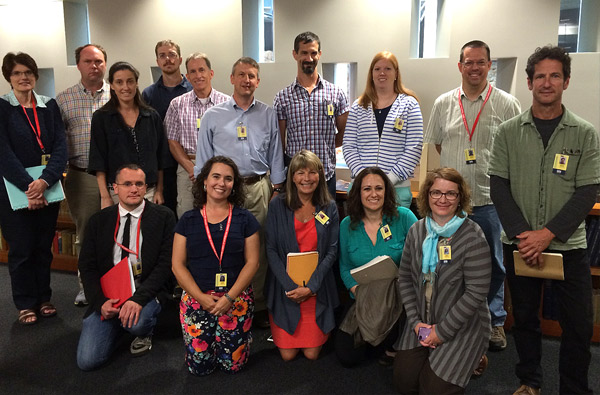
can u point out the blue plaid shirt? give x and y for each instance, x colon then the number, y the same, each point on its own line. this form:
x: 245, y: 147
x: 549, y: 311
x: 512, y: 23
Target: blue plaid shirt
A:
x: 308, y: 123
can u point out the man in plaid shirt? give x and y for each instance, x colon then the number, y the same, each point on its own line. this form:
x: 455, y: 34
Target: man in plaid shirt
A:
x: 77, y: 104
x: 310, y: 109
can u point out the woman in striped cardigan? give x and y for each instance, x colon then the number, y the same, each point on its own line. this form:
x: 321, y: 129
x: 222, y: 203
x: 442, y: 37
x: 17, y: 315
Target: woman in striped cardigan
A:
x: 385, y: 127
x: 444, y: 280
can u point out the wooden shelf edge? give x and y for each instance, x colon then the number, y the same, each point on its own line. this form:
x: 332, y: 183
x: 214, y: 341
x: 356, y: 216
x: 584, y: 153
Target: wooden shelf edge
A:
x: 64, y: 263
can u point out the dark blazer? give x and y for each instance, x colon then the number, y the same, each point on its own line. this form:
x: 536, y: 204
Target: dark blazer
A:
x: 96, y: 257
x: 281, y: 239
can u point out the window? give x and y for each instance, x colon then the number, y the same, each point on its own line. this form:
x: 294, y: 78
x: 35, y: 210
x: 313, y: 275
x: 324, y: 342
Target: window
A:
x: 77, y: 30
x: 430, y: 29
x: 258, y: 30
x: 342, y: 75
x: 578, y: 25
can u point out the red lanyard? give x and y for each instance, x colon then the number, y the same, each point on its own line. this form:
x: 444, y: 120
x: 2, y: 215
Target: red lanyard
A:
x: 37, y: 132
x: 137, y: 239
x: 462, y: 111
x: 210, y: 240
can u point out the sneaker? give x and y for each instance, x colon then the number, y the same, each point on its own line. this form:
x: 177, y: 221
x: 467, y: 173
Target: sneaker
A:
x: 498, y: 339
x: 140, y: 346
x: 80, y: 299
x: 527, y: 390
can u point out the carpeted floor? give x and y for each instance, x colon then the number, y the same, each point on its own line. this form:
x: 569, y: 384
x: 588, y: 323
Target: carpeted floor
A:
x: 41, y: 359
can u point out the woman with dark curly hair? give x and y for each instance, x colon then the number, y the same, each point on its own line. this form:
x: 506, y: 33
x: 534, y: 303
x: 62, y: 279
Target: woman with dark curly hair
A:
x: 444, y: 280
x: 31, y: 134
x: 375, y: 226
x: 215, y: 256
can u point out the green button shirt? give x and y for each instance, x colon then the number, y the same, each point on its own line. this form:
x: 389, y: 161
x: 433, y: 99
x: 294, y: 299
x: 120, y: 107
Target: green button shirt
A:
x: 518, y: 155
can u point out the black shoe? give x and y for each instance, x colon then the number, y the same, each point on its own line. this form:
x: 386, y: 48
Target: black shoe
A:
x: 261, y: 320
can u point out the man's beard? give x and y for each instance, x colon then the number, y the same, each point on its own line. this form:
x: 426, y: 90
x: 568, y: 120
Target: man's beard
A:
x: 309, y: 67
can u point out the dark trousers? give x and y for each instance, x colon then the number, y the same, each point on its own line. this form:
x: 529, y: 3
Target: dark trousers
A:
x: 413, y: 375
x: 170, y: 187
x: 29, y: 235
x: 350, y: 355
x: 575, y: 318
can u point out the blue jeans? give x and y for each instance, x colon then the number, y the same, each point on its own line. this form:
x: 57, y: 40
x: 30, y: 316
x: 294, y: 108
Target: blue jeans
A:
x: 98, y: 338
x: 331, y: 186
x: 487, y: 219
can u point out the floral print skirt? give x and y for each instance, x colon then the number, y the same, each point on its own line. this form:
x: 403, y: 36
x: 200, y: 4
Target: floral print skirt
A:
x: 212, y: 341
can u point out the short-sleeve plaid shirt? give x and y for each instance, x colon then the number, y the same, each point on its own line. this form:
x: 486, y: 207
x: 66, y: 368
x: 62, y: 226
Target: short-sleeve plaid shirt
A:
x: 309, y: 124
x: 77, y: 105
x: 183, y: 115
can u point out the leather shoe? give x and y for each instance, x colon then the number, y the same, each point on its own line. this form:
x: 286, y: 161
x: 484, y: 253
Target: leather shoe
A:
x: 261, y: 320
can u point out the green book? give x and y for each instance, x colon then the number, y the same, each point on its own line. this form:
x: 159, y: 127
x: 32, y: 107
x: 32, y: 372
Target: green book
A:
x: 18, y: 199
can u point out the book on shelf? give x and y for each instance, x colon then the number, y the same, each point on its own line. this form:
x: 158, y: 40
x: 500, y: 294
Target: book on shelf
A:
x: 301, y: 265
x: 378, y: 268
x: 553, y: 266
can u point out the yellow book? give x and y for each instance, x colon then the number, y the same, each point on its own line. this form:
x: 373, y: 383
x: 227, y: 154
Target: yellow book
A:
x: 301, y: 265
x: 553, y: 267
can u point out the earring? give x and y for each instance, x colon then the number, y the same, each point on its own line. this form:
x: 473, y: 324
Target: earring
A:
x: 233, y: 191
x: 205, y: 187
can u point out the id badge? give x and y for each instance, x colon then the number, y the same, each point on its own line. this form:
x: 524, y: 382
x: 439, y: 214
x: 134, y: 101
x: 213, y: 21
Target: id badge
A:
x: 470, y: 156
x: 198, y: 122
x: 386, y: 233
x: 560, y: 164
x: 220, y: 282
x: 242, y: 134
x: 445, y: 253
x: 398, y: 124
x: 330, y: 109
x: 136, y: 268
x: 45, y: 159
x: 322, y: 218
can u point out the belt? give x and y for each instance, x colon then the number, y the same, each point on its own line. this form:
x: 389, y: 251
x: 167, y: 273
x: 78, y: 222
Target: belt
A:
x: 253, y: 179
x: 77, y: 168
x: 191, y: 157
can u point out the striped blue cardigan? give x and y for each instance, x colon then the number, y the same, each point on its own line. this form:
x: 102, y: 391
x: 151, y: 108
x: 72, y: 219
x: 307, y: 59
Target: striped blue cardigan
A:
x: 396, y: 153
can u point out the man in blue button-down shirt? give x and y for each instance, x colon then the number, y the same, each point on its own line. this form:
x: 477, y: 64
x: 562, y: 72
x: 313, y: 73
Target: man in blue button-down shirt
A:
x: 245, y: 130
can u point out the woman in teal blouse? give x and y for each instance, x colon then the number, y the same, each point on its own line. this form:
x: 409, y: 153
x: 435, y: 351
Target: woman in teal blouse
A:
x: 374, y: 226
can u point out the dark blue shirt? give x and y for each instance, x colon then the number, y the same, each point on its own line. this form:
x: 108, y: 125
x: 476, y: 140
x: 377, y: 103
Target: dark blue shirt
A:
x: 158, y: 96
x: 202, y: 261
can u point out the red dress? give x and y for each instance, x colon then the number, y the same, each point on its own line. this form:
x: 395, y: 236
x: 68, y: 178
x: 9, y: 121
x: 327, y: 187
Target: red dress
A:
x: 307, y: 334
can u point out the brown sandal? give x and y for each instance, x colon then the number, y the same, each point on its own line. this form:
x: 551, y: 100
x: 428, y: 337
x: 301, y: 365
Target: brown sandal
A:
x: 47, y: 309
x: 483, y: 364
x: 27, y: 317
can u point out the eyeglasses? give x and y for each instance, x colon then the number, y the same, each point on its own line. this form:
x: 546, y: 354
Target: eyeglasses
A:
x: 172, y: 55
x: 450, y: 195
x: 128, y: 184
x: 469, y: 64
x: 27, y: 73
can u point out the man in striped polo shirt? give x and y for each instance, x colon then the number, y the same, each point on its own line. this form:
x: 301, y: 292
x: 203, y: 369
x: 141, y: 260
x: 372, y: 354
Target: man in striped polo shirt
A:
x: 462, y: 126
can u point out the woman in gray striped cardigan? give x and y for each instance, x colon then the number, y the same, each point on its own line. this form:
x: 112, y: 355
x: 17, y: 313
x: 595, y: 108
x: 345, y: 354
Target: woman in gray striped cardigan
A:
x: 444, y: 281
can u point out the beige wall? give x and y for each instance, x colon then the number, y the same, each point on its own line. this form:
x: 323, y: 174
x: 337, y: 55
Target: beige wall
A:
x: 350, y: 30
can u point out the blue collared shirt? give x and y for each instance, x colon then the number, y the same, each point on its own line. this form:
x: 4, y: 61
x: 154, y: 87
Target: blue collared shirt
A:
x: 158, y: 96
x: 260, y: 152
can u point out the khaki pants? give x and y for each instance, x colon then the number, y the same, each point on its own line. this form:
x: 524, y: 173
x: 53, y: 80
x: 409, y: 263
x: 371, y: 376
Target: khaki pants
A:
x: 185, y: 198
x: 258, y: 196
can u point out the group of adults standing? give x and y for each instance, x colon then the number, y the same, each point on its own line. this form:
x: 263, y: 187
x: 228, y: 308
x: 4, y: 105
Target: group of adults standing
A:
x: 231, y: 153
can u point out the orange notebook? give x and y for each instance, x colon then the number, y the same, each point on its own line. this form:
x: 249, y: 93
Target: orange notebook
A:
x: 301, y: 265
x: 118, y: 283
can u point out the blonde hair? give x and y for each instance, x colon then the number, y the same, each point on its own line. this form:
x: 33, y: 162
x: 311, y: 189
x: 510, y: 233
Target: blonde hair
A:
x: 370, y: 94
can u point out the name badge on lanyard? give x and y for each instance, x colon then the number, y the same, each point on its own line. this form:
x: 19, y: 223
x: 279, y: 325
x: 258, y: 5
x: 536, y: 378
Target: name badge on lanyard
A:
x: 220, y: 277
x: 330, y: 109
x: 445, y: 253
x: 398, y: 124
x: 470, y: 152
x: 242, y: 133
